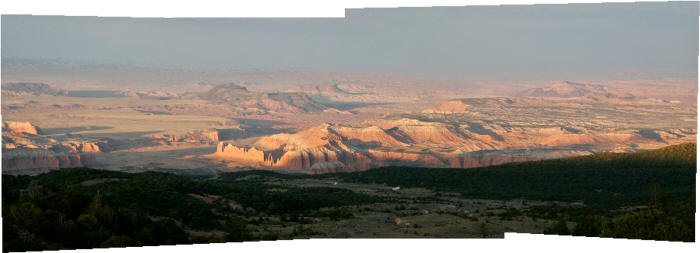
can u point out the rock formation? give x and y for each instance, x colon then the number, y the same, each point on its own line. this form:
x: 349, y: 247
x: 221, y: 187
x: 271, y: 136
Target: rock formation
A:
x: 82, y: 147
x: 413, y: 142
x: 26, y: 151
x: 450, y: 106
x: 239, y: 96
x: 195, y: 136
x: 39, y: 161
x: 21, y: 127
x: 240, y: 153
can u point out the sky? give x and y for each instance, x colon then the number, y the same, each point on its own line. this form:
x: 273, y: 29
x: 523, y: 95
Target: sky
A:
x: 540, y: 42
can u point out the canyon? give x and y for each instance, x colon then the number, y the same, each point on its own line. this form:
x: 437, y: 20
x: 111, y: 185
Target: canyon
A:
x: 563, y: 119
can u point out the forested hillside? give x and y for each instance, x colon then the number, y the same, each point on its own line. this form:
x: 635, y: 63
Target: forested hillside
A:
x: 605, y: 179
x: 87, y: 208
x: 646, y: 194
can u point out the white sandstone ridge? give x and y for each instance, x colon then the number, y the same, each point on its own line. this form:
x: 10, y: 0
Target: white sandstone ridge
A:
x: 26, y: 150
x: 413, y: 142
x: 21, y: 127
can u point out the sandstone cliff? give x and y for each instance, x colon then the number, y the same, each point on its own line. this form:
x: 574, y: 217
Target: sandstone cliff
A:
x: 26, y: 151
x: 82, y: 147
x: 412, y: 142
x: 39, y: 161
x: 21, y: 127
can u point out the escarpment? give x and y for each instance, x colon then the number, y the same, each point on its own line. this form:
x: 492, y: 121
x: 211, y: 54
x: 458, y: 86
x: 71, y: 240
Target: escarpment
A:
x: 413, y: 142
x: 26, y: 150
x: 40, y: 161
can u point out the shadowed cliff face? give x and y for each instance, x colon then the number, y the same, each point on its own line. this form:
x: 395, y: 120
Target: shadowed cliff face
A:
x: 27, y: 151
x: 35, y: 163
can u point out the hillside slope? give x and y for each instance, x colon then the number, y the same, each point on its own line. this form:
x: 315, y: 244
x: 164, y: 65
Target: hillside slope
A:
x: 605, y: 179
x: 87, y: 208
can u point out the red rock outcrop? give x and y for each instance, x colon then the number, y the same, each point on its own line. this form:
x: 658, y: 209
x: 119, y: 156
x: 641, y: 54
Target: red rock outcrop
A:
x: 34, y: 162
x: 82, y: 147
x: 411, y: 142
x: 26, y: 151
x: 21, y: 127
x: 240, y: 153
x: 195, y: 136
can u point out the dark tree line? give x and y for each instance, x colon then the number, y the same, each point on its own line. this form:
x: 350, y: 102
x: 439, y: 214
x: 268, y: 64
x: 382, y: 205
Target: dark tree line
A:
x: 607, y: 180
x: 87, y: 208
x: 661, y: 220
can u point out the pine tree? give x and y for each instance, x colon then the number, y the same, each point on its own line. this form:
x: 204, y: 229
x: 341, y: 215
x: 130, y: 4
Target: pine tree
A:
x: 558, y: 228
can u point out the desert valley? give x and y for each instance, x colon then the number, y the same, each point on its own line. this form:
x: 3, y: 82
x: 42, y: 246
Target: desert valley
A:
x: 326, y: 122
x: 441, y: 122
x: 239, y: 155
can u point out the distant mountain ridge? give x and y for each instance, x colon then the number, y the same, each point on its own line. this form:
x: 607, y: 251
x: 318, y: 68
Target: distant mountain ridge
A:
x: 568, y: 89
x: 233, y: 94
x: 31, y: 88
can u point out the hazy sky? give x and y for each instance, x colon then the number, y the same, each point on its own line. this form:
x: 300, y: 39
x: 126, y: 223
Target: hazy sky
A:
x: 577, y: 41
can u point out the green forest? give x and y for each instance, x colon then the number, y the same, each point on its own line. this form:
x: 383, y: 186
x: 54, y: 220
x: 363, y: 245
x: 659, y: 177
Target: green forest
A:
x: 88, y: 208
x: 605, y: 179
